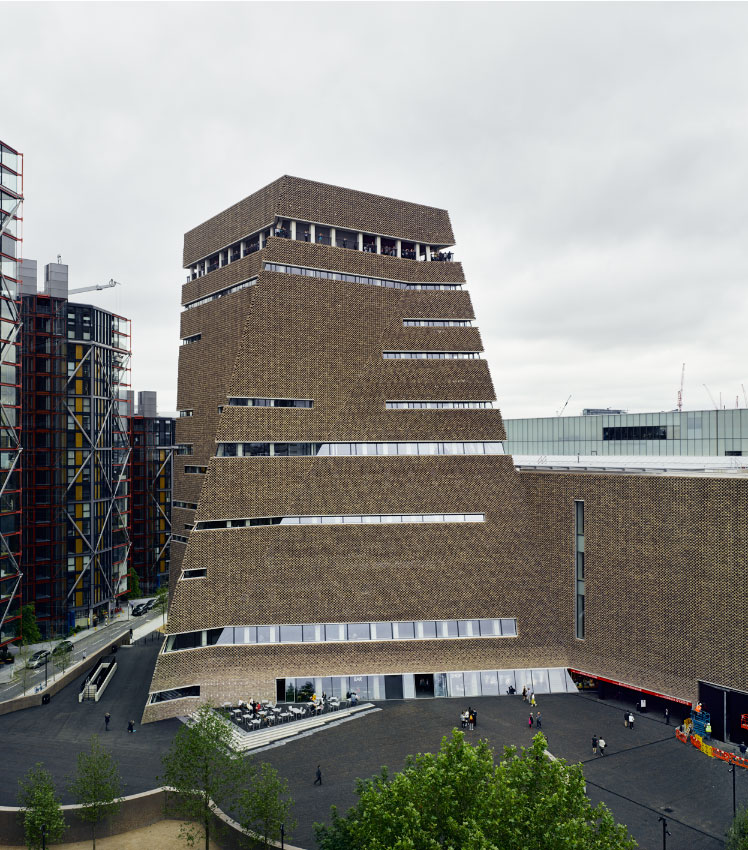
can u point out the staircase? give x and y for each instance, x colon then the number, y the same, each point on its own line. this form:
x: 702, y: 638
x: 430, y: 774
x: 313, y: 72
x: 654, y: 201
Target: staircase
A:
x: 243, y: 742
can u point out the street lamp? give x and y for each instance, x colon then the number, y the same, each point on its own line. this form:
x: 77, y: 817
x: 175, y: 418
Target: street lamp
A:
x: 731, y: 768
x: 283, y: 835
x: 46, y: 659
x: 665, y: 832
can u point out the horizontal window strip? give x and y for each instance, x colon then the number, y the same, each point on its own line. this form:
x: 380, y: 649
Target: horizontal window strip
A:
x: 357, y: 278
x: 437, y: 323
x: 195, y: 470
x: 439, y: 405
x: 345, y: 519
x: 178, y: 538
x: 188, y: 340
x: 219, y: 294
x: 185, y: 413
x: 175, y: 693
x: 242, y: 401
x: 357, y: 449
x: 191, y: 506
x: 431, y: 355
x: 195, y: 573
x: 344, y: 632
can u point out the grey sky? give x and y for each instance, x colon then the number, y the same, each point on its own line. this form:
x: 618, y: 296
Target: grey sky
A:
x: 593, y: 158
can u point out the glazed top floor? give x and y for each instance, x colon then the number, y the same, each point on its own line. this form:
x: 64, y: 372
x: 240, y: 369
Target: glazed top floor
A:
x: 305, y: 202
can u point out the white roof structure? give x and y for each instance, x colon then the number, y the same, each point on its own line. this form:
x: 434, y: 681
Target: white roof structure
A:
x: 636, y: 464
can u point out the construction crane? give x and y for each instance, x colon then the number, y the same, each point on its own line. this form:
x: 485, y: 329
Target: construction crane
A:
x: 680, y: 391
x: 561, y: 412
x: 711, y: 397
x: 111, y: 283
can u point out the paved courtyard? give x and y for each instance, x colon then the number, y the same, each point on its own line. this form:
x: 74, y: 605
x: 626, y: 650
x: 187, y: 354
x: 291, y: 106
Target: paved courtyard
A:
x: 645, y: 774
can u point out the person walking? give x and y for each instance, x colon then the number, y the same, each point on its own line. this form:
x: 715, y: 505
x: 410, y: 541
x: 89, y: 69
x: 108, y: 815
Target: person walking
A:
x: 131, y: 726
x: 603, y: 745
x: 318, y: 776
x: 475, y: 716
x: 530, y: 720
x: 626, y: 719
x: 743, y: 748
x: 532, y: 699
x: 538, y: 722
x: 594, y: 744
x: 524, y: 693
x: 471, y: 719
x: 631, y: 720
x: 107, y: 718
x: 667, y: 716
x: 708, y: 731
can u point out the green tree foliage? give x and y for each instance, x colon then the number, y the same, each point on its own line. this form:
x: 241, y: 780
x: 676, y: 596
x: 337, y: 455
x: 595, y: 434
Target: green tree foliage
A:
x: 737, y: 837
x: 97, y: 786
x: 43, y: 821
x: 21, y: 672
x: 133, y: 585
x: 162, y: 600
x: 459, y: 798
x: 262, y: 807
x: 29, y: 627
x: 204, y: 772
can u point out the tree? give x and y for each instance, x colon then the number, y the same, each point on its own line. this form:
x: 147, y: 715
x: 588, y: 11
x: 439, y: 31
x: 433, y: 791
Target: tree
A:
x: 43, y: 820
x: 204, y: 772
x: 460, y: 798
x: 29, y: 627
x: 737, y: 837
x: 22, y: 673
x: 97, y: 787
x: 162, y: 601
x: 261, y: 808
x: 62, y: 658
x: 134, y: 585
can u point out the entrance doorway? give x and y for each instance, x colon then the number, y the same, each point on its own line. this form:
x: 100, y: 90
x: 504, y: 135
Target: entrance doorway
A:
x: 424, y: 684
x: 727, y: 708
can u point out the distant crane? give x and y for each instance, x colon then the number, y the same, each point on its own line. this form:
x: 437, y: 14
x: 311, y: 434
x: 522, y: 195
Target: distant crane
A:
x: 711, y: 397
x: 680, y: 391
x: 745, y: 395
x: 111, y: 283
x: 561, y: 412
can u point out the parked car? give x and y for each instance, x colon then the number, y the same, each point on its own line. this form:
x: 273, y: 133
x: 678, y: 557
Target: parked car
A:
x: 138, y: 609
x: 63, y: 647
x: 149, y: 604
x: 38, y: 659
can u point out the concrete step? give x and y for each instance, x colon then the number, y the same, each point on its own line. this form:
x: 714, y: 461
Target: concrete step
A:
x: 244, y: 741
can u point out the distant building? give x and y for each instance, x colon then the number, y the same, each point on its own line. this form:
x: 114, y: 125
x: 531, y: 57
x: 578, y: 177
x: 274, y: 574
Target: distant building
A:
x: 11, y: 216
x: 152, y: 442
x: 76, y: 453
x: 703, y: 433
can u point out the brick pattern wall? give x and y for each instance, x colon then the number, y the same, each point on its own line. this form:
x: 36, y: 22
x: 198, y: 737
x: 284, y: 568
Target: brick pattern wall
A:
x: 306, y: 200
x: 665, y: 560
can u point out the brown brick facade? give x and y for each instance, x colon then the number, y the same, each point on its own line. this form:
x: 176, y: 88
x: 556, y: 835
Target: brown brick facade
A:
x: 665, y: 554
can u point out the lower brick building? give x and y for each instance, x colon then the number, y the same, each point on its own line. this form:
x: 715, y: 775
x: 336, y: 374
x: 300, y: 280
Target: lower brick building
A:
x: 346, y: 517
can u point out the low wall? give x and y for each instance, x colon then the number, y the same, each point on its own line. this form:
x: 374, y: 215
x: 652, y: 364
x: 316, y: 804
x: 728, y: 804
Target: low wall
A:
x: 710, y: 750
x: 19, y: 703
x: 137, y: 810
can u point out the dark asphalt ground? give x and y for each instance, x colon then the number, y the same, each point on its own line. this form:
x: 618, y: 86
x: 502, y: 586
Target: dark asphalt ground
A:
x: 54, y: 734
x: 646, y: 773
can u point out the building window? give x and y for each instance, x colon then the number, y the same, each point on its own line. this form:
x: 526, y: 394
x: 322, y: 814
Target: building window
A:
x: 241, y: 401
x: 635, y: 432
x: 431, y: 355
x: 356, y: 449
x: 357, y: 278
x: 188, y: 340
x: 197, y: 573
x: 184, y: 449
x: 195, y: 470
x: 579, y: 566
x: 185, y: 413
x: 438, y: 405
x: 175, y: 693
x: 437, y: 323
x: 342, y: 632
x: 229, y: 290
x: 345, y: 519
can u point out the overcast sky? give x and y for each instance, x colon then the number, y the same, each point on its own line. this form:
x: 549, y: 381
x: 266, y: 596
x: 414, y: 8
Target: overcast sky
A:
x: 592, y: 158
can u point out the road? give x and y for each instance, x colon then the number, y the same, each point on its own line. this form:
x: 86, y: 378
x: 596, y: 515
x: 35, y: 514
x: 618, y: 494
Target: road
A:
x: 86, y: 643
